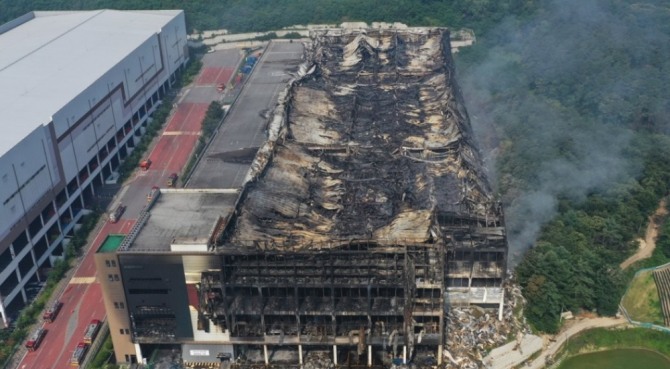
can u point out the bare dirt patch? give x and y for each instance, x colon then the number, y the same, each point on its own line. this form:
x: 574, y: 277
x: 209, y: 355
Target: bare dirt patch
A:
x: 648, y: 244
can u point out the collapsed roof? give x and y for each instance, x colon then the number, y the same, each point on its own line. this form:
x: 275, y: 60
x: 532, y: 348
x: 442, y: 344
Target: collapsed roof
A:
x: 371, y: 143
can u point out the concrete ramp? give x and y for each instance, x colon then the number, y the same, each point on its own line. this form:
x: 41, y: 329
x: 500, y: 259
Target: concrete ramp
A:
x: 513, y: 353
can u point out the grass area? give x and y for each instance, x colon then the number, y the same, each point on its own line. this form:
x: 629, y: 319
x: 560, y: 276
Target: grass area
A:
x: 602, y: 338
x: 213, y: 118
x: 642, y: 301
x: 617, y: 359
x: 104, y: 356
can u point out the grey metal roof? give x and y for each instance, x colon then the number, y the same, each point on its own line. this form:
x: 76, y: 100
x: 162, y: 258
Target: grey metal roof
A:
x: 183, y: 214
x: 52, y: 57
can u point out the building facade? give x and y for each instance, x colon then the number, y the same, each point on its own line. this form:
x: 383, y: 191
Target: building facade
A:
x: 76, y: 90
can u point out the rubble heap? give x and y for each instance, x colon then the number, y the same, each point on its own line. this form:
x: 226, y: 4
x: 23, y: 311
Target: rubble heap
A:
x: 472, y: 331
x: 318, y: 360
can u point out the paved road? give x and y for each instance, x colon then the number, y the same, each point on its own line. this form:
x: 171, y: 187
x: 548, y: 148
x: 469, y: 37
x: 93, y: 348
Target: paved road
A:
x: 228, y: 157
x: 82, y: 302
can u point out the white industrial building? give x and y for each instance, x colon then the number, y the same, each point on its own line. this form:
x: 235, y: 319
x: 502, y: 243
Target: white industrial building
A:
x: 76, y: 87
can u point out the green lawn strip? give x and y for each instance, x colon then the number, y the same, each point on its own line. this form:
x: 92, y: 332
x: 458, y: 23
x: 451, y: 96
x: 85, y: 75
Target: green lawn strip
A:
x: 103, y: 355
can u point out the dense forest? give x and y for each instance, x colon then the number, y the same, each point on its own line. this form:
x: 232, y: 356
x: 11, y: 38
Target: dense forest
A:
x: 263, y: 15
x: 568, y: 101
x: 571, y: 103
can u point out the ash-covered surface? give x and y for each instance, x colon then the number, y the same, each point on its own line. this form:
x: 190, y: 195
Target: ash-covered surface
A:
x: 371, y: 142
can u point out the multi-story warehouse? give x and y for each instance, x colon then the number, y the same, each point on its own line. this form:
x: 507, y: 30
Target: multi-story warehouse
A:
x: 75, y: 90
x: 366, y: 216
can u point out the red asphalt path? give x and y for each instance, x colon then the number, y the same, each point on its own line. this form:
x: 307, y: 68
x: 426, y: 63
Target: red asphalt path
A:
x: 82, y: 298
x: 82, y: 302
x: 178, y: 140
x: 213, y: 75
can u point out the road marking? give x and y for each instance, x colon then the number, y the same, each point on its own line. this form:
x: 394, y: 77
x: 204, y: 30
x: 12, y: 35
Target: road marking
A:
x: 181, y: 133
x: 82, y: 280
x: 183, y: 95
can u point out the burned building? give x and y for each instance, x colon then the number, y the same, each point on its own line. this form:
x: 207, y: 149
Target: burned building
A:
x: 366, y: 216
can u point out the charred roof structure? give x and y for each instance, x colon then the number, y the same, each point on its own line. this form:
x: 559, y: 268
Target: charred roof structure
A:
x: 375, y: 147
x: 365, y: 218
x: 368, y: 205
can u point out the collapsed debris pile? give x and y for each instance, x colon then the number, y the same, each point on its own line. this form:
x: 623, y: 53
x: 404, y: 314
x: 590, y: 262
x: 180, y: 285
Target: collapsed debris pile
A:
x: 318, y: 360
x: 472, y: 331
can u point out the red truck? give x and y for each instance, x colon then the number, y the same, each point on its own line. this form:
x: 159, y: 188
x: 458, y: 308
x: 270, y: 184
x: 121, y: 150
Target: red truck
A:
x: 154, y: 193
x: 78, y: 354
x: 145, y: 164
x: 52, y: 312
x: 92, y: 330
x: 35, y: 339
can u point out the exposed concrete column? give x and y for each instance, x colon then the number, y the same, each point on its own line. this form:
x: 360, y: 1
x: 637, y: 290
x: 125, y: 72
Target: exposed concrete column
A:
x: 90, y: 184
x: 300, y: 355
x: 369, y: 355
x: 100, y: 174
x: 439, y: 354
x: 335, y: 354
x: 265, y: 354
x: 502, y: 305
x: 2, y: 312
x: 22, y: 290
x: 138, y: 353
x: 404, y: 354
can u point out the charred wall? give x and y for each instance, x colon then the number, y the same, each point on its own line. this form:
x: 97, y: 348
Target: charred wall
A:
x: 155, y: 290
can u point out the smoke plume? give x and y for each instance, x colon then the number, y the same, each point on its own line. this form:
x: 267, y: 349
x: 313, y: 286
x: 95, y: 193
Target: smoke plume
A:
x: 552, y: 104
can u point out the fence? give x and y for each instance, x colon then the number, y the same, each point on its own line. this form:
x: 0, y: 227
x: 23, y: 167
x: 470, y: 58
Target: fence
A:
x: 635, y: 322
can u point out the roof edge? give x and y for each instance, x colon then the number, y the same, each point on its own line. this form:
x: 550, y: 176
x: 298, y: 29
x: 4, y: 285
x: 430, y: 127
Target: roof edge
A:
x: 16, y: 22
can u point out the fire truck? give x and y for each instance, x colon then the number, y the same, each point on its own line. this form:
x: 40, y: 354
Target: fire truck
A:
x: 91, y: 331
x: 78, y: 354
x: 52, y: 312
x: 154, y: 193
x: 35, y: 339
x: 172, y: 180
x: 116, y: 214
x: 145, y: 164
